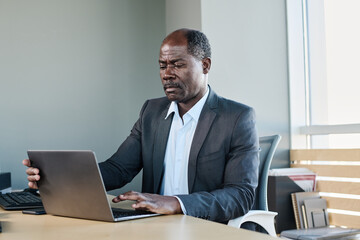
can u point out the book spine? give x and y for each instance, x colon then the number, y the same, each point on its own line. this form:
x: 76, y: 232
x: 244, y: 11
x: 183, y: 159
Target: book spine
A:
x: 296, y: 211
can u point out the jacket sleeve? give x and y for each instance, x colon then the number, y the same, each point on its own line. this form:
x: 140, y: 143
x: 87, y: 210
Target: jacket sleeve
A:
x: 126, y: 162
x: 237, y: 194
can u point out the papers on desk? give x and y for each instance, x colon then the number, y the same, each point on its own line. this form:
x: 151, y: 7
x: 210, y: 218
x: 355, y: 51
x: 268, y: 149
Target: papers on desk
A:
x: 322, y: 233
x: 303, y: 177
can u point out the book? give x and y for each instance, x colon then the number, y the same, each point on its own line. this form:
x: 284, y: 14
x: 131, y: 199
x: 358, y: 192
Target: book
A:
x: 316, y: 213
x: 297, y: 202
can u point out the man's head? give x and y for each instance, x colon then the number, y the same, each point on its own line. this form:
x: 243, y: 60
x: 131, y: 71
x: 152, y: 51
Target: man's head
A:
x: 184, y: 64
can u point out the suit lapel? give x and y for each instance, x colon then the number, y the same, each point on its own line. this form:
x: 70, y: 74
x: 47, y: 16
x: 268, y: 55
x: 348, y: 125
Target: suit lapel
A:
x: 205, y: 121
x: 160, y: 143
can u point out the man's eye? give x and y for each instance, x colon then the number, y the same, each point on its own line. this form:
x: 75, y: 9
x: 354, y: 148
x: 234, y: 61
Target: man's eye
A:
x: 162, y: 67
x: 179, y: 65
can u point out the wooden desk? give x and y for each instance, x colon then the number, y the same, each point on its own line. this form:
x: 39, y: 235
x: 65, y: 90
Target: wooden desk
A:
x: 16, y: 225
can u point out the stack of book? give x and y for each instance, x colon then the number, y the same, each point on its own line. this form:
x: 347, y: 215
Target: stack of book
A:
x: 312, y: 220
x: 310, y: 210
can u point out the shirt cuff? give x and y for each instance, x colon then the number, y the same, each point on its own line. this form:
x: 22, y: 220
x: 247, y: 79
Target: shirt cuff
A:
x: 183, y: 209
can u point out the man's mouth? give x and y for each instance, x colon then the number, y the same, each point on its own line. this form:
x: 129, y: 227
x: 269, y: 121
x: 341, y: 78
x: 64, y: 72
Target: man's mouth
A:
x: 169, y: 88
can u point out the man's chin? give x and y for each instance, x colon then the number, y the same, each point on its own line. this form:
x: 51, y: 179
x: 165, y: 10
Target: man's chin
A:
x: 172, y: 97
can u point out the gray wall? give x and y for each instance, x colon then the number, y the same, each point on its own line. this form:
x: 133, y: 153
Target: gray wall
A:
x: 249, y: 62
x: 74, y: 74
x: 182, y: 14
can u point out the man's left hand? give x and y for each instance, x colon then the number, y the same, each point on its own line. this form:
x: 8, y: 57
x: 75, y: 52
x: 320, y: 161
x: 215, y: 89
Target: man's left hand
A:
x: 151, y: 202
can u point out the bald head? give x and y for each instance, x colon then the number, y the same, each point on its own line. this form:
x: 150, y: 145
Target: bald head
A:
x: 197, y: 43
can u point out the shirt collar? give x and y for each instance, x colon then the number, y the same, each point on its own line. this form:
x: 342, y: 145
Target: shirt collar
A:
x: 194, y: 112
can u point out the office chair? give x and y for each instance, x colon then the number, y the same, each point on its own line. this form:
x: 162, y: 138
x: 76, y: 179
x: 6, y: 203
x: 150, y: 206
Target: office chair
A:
x: 260, y: 213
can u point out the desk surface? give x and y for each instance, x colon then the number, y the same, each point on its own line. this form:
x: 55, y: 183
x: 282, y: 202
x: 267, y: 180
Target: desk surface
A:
x: 16, y: 225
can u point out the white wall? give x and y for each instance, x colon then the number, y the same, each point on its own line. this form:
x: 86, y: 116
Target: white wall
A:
x: 74, y: 74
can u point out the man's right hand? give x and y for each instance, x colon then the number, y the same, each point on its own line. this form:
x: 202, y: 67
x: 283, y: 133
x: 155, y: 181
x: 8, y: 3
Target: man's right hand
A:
x: 33, y: 174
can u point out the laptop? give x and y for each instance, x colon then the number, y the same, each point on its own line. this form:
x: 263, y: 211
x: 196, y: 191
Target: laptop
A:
x: 71, y: 186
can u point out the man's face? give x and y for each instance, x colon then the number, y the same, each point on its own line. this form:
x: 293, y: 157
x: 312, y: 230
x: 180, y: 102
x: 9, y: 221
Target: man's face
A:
x: 181, y: 73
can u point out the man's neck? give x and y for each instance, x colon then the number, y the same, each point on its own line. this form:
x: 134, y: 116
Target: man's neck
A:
x: 185, y: 107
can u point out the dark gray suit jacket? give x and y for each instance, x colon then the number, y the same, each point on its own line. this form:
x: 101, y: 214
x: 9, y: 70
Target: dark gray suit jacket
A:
x: 223, y: 161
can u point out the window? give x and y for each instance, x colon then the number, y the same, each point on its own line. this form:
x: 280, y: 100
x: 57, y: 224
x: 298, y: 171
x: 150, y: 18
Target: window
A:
x: 324, y: 52
x: 324, y: 80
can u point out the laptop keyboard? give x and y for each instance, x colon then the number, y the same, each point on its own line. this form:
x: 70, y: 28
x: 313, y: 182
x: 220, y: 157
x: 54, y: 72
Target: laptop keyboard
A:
x: 119, y: 213
x: 19, y: 200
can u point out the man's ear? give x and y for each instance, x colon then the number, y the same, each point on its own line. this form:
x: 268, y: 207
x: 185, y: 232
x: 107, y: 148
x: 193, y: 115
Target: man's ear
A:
x: 206, y: 65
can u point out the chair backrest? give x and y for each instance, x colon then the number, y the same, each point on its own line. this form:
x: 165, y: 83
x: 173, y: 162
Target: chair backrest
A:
x: 268, y: 147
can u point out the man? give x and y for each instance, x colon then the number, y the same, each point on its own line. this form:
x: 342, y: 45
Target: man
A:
x: 198, y: 151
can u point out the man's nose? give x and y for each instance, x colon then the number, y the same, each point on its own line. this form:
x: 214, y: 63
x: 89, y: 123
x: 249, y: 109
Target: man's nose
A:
x: 169, y: 73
